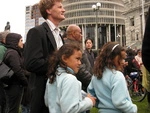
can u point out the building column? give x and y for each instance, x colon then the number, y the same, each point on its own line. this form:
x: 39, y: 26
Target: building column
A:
x: 83, y: 35
x: 120, y: 31
x: 109, y: 33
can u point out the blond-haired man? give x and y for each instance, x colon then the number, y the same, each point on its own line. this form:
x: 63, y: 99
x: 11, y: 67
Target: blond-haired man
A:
x: 41, y: 42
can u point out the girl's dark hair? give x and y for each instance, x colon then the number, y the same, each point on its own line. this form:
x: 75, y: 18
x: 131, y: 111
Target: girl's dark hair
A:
x: 87, y: 40
x: 130, y: 52
x: 105, y: 58
x: 56, y: 59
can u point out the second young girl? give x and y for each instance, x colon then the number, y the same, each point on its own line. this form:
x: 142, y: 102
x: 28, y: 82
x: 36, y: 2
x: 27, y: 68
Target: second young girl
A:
x: 108, y: 83
x: 63, y: 90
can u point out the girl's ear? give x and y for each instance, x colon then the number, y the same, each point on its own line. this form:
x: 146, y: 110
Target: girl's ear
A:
x: 116, y: 61
x: 64, y: 58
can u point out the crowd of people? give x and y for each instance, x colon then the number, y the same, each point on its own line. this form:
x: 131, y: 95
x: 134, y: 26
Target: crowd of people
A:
x: 55, y: 74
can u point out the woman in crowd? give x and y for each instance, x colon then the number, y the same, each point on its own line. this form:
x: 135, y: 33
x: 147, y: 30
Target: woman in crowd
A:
x: 16, y: 83
x: 108, y: 84
x: 63, y: 90
x: 88, y: 51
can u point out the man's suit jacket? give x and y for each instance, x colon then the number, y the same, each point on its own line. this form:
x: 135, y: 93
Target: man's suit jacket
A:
x: 40, y: 44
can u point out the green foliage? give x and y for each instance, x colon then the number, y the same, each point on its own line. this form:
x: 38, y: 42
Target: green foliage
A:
x: 94, y: 110
x: 142, y: 107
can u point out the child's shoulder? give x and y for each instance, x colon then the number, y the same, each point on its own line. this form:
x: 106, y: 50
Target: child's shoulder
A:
x: 67, y: 77
x: 66, y: 80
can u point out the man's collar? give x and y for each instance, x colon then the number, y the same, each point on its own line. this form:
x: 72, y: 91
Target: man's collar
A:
x: 51, y: 25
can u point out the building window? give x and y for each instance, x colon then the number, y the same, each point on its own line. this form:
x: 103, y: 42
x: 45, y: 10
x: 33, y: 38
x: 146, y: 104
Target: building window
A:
x: 132, y: 21
x: 27, y: 8
x: 133, y: 35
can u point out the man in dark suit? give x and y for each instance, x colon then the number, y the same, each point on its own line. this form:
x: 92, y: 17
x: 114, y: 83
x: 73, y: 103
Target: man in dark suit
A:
x: 41, y: 42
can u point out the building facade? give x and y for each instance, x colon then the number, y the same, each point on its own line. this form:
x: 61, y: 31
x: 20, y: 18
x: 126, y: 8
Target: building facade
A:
x: 29, y: 21
x: 32, y: 17
x: 136, y: 12
x: 102, y: 25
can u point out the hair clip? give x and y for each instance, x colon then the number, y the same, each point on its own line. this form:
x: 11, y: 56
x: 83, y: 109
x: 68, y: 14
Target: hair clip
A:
x: 114, y: 47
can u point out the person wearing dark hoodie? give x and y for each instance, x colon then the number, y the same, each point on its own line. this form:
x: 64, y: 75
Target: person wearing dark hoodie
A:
x: 14, y: 59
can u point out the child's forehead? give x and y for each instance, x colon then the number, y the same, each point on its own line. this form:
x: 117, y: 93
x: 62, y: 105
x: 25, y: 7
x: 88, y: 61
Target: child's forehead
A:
x: 77, y: 52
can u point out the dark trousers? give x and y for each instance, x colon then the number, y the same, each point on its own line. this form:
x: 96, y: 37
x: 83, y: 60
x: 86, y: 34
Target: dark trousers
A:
x: 2, y: 98
x: 148, y: 97
x: 13, y: 98
x: 37, y: 104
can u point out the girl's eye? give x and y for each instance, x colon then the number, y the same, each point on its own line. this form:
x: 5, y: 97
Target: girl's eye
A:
x: 78, y: 58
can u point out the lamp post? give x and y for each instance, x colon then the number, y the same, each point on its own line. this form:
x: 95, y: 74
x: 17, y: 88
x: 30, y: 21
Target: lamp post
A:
x: 96, y: 8
x: 143, y: 17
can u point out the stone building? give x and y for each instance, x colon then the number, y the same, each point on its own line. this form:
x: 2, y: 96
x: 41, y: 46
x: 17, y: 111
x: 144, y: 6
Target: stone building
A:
x: 135, y: 17
x: 103, y: 24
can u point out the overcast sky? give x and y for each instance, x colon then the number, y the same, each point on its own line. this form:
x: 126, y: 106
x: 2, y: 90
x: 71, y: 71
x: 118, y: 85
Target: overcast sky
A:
x: 14, y: 12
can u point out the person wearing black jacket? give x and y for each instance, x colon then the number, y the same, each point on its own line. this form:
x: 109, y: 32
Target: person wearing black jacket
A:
x: 131, y: 67
x: 14, y: 59
x: 88, y: 50
x: 41, y: 42
x: 74, y: 35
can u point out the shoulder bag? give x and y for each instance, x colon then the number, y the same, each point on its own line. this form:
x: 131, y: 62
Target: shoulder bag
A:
x: 5, y: 71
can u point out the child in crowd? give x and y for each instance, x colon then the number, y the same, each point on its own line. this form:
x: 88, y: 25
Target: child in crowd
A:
x: 108, y: 84
x: 63, y: 90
